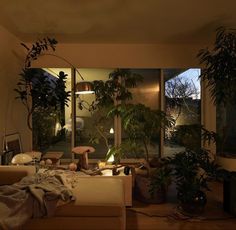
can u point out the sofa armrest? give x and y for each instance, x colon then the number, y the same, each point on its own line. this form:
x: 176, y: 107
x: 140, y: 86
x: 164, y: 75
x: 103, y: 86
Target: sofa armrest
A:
x: 11, y: 174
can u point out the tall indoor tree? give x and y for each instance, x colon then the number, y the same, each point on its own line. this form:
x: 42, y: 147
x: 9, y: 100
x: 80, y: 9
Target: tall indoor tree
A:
x: 219, y: 72
x: 34, y: 89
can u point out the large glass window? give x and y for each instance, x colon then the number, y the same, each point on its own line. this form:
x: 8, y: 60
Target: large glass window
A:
x: 53, y: 129
x: 146, y: 93
x: 50, y: 131
x: 93, y: 127
x: 183, y: 103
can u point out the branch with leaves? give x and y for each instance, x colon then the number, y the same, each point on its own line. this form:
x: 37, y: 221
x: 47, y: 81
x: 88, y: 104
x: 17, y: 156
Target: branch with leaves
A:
x: 36, y: 90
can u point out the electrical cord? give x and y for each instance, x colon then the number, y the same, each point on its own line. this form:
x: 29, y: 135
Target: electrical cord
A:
x: 177, y: 215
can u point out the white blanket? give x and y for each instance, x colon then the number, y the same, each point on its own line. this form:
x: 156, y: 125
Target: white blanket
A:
x: 33, y: 197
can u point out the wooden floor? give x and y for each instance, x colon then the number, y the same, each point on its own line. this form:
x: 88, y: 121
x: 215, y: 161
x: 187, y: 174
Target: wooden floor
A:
x: 166, y: 216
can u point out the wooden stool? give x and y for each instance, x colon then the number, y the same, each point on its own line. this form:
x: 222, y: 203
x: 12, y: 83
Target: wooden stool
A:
x: 83, y: 151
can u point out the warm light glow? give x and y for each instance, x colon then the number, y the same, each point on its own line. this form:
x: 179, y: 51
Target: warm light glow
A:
x: 84, y: 92
x: 111, y: 158
x: 107, y: 172
x: 84, y: 87
x: 147, y: 90
x: 57, y: 128
x: 101, y: 164
x: 111, y: 131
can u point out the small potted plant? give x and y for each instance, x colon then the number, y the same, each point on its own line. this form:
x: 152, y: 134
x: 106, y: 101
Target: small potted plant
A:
x: 191, y: 171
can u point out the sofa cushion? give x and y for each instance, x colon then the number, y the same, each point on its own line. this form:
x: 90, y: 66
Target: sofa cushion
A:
x: 95, y: 197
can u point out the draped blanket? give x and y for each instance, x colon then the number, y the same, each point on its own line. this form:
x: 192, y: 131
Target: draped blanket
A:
x: 33, y: 197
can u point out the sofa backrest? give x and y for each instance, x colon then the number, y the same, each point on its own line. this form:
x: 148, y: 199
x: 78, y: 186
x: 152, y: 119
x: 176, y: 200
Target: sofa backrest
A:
x: 10, y: 174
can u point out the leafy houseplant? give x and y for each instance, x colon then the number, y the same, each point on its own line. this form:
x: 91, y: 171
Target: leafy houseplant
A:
x: 192, y: 169
x: 159, y: 182
x: 140, y: 123
x: 142, y: 126
x: 34, y: 89
x: 44, y: 98
x: 108, y: 94
x: 219, y: 72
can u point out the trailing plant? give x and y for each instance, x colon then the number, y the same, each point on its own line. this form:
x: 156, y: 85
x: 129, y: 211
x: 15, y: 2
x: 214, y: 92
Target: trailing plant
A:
x: 34, y: 89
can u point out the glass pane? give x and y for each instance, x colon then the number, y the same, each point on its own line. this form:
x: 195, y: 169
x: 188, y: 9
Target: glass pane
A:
x: 50, y: 132
x: 226, y: 128
x: 93, y: 128
x: 183, y: 103
x: 147, y: 93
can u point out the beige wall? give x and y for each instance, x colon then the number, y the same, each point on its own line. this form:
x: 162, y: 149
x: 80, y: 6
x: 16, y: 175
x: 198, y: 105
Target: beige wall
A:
x: 124, y: 55
x: 12, y: 113
x: 208, y: 115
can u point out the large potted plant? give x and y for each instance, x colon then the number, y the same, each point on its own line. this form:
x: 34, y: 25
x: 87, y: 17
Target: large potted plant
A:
x: 142, y: 126
x: 191, y: 171
x: 219, y: 73
x: 44, y: 98
x: 109, y: 93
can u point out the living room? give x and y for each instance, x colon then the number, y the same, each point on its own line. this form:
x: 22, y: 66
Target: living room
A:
x: 106, y: 36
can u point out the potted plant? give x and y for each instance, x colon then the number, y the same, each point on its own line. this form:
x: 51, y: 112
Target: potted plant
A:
x: 157, y: 185
x: 219, y: 73
x: 108, y: 94
x: 193, y: 167
x: 142, y: 126
x: 191, y: 171
x: 44, y: 98
x: 140, y: 123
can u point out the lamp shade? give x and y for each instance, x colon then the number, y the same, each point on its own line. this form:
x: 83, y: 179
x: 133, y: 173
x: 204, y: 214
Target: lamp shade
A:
x: 84, y: 87
x: 21, y: 159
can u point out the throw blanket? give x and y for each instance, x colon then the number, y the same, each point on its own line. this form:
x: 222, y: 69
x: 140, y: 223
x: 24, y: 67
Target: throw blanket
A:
x: 33, y: 197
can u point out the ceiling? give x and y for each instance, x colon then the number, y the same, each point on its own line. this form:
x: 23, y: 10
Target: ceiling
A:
x: 117, y: 21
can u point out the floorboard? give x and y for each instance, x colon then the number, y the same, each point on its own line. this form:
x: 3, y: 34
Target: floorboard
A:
x: 143, y: 216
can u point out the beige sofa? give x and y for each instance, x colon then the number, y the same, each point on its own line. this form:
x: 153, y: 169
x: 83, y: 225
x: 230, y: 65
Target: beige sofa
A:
x: 99, y: 203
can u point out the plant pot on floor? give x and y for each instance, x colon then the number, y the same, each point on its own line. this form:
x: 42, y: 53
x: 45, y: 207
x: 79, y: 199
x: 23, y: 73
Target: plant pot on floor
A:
x: 195, y: 206
x: 142, y: 193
